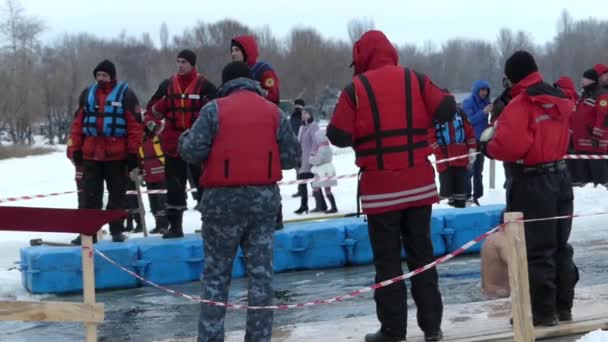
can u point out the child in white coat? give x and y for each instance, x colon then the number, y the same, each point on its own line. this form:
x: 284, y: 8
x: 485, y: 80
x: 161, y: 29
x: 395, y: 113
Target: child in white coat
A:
x: 320, y: 159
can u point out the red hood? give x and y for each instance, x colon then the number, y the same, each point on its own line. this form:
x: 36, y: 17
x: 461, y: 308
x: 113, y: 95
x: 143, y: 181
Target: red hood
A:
x: 543, y: 94
x: 250, y: 48
x: 372, y: 51
x: 567, y: 86
x: 601, y: 69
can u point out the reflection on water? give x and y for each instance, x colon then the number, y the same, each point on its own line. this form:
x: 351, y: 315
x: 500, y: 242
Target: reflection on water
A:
x: 146, y: 314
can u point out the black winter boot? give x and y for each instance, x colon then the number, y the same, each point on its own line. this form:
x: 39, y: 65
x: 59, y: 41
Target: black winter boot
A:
x: 320, y: 205
x: 175, y: 225
x: 120, y: 237
x: 130, y: 219
x: 381, y: 336
x: 303, y: 202
x: 162, y: 224
x: 77, y: 241
x: 332, y: 202
x: 138, y: 226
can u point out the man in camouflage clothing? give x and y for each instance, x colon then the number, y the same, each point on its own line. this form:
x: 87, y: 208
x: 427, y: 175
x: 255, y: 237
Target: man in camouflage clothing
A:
x: 243, y: 142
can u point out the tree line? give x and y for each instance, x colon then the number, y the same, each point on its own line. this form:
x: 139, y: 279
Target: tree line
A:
x: 41, y: 81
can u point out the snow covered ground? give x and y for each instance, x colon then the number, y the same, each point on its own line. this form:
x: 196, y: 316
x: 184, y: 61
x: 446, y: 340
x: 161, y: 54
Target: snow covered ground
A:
x: 54, y: 173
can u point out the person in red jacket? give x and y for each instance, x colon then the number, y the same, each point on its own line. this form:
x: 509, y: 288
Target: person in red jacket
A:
x: 385, y: 114
x: 105, y: 139
x: 178, y: 100
x: 590, y: 132
x: 152, y: 165
x: 245, y: 49
x: 532, y: 133
x: 78, y: 175
x: 602, y: 72
x: 451, y: 139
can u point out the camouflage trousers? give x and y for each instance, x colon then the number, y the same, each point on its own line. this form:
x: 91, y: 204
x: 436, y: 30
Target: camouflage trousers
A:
x: 251, y: 227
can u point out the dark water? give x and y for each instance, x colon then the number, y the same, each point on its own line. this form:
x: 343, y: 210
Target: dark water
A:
x: 146, y: 314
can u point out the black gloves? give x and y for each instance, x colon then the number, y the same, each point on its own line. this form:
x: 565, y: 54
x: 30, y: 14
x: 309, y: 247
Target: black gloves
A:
x: 132, y: 161
x: 77, y: 158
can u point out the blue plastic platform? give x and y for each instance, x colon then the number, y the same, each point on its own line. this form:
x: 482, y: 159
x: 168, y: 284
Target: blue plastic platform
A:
x: 59, y: 269
x: 463, y: 225
x: 313, y: 245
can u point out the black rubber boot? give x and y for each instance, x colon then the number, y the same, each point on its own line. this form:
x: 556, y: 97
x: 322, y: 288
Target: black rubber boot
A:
x: 433, y: 336
x: 175, y: 225
x: 130, y: 219
x: 77, y: 242
x: 138, y: 226
x: 320, y: 205
x: 380, y: 336
x: 332, y: 202
x: 162, y: 225
x: 303, y: 201
x: 120, y: 237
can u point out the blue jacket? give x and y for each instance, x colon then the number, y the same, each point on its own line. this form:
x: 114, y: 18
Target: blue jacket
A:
x: 473, y: 106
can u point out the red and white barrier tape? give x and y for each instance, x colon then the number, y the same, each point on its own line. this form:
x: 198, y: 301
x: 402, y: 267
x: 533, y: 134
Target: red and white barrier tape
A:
x: 586, y: 156
x: 300, y: 181
x: 314, y: 302
x: 23, y: 198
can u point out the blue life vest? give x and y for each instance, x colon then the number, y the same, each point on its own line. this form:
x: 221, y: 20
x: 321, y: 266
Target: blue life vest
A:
x: 258, y: 69
x: 442, y: 131
x: 113, y: 112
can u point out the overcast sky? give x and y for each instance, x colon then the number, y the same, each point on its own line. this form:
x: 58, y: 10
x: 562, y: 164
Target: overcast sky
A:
x: 402, y: 20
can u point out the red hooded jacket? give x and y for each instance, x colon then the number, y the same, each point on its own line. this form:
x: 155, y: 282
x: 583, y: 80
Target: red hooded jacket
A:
x: 107, y: 148
x: 566, y: 84
x: 533, y: 128
x: 262, y: 71
x: 386, y: 114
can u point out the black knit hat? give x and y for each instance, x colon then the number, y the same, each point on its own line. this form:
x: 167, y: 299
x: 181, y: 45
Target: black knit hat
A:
x: 591, y: 74
x: 188, y: 55
x: 299, y: 102
x: 240, y: 46
x: 520, y: 65
x: 107, y: 67
x: 234, y: 70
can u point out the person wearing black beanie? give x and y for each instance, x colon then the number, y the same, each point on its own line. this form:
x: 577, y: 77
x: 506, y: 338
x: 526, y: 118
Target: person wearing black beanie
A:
x: 178, y: 100
x: 590, y: 131
x: 105, y: 66
x: 520, y: 65
x: 234, y: 70
x: 244, y: 141
x: 188, y: 55
x: 104, y: 142
x: 531, y: 135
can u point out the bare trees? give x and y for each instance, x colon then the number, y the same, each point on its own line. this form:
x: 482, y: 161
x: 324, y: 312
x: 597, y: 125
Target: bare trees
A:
x: 19, y: 62
x: 41, y: 82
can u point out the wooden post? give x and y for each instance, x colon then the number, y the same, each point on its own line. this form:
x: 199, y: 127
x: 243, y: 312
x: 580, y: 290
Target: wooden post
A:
x: 523, y: 329
x: 88, y: 283
x: 492, y: 174
x: 140, y: 204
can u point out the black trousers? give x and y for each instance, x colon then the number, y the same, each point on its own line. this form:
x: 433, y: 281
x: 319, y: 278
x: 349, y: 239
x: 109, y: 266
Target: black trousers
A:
x: 452, y: 185
x: 176, y: 174
x: 389, y: 233
x: 157, y: 201
x: 552, y: 273
x: 114, y: 174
